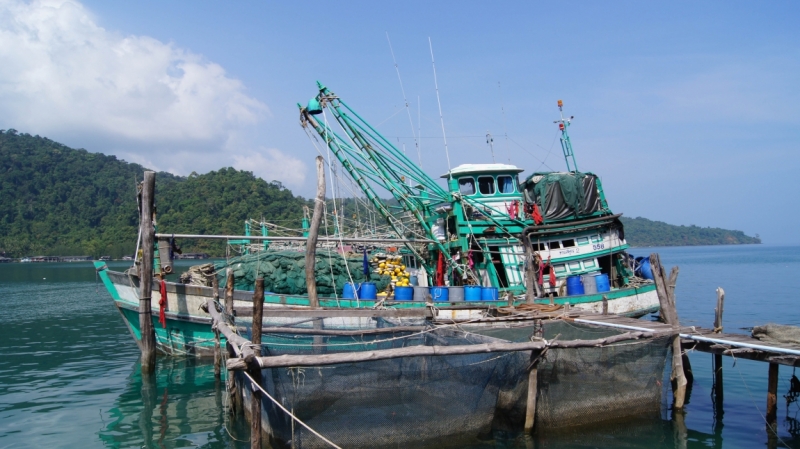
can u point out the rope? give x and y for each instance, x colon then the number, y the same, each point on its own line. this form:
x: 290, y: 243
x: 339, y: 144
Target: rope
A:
x: 764, y: 418
x: 253, y: 382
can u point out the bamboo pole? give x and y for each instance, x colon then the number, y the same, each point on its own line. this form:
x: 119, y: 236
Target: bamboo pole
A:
x: 313, y: 231
x: 338, y: 332
x: 666, y: 298
x: 277, y: 238
x: 415, y: 351
x: 253, y: 368
x: 148, y: 334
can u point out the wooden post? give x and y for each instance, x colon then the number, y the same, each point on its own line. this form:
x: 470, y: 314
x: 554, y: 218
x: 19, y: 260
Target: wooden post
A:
x: 217, y: 352
x: 530, y: 281
x: 235, y: 399
x: 719, y: 391
x: 229, y: 292
x: 605, y: 305
x: 666, y: 298
x: 148, y: 339
x: 254, y: 369
x: 772, y: 398
x: 313, y: 231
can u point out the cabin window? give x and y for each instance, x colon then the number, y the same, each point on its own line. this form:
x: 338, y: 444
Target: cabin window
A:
x: 568, y: 243
x: 466, y: 186
x: 574, y: 266
x: 596, y: 239
x: 582, y: 241
x: 555, y: 244
x: 589, y: 264
x: 486, y: 185
x: 505, y: 184
x: 560, y: 269
x: 537, y: 246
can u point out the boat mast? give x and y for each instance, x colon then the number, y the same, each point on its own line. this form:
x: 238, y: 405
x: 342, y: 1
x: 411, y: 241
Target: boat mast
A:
x: 566, y: 145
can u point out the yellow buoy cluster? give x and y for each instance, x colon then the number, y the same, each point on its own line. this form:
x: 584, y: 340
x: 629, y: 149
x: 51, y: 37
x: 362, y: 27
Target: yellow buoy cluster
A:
x: 392, y: 265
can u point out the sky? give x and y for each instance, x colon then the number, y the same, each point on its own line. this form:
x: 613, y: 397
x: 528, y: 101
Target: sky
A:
x: 688, y: 111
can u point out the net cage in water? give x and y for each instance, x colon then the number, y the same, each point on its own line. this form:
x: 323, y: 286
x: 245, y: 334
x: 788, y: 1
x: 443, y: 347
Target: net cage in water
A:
x: 453, y: 400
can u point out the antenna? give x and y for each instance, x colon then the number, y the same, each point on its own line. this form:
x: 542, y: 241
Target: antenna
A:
x: 397, y: 69
x: 566, y: 145
x: 490, y: 141
x: 419, y: 131
x: 503, y: 111
x: 441, y: 117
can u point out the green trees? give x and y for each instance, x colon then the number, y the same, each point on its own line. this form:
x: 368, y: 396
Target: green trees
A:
x: 56, y: 200
x: 643, y: 232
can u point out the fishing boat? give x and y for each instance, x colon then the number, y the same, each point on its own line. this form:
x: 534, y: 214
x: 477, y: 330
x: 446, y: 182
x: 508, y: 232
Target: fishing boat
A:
x: 483, y: 242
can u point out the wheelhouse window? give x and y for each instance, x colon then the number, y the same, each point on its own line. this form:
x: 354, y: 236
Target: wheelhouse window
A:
x: 466, y: 186
x: 486, y: 185
x: 505, y: 184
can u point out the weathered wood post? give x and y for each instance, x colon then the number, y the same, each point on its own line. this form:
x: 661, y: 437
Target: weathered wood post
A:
x: 719, y: 391
x: 530, y: 281
x: 233, y: 392
x: 313, y: 231
x: 148, y: 339
x: 533, y: 387
x: 254, y: 369
x: 666, y: 298
x: 772, y: 398
x: 229, y: 281
x: 217, y: 352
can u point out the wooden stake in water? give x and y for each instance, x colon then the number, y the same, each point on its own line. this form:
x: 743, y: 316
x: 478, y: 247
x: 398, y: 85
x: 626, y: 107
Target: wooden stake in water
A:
x: 217, y: 352
x: 666, y: 298
x: 253, y: 367
x: 148, y: 339
x: 719, y: 391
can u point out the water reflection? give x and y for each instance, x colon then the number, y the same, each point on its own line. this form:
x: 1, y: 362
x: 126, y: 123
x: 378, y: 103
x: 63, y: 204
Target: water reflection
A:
x: 182, y: 404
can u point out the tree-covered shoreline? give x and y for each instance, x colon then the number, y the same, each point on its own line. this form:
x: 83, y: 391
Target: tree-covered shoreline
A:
x: 55, y: 200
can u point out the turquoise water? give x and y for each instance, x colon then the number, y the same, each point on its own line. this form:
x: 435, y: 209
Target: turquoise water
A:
x: 69, y: 375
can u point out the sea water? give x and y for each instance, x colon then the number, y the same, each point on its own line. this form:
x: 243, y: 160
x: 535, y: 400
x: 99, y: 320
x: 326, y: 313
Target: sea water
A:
x: 69, y: 372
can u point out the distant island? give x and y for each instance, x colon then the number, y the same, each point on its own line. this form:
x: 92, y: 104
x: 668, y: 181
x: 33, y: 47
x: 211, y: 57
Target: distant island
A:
x: 643, y: 232
x: 55, y: 200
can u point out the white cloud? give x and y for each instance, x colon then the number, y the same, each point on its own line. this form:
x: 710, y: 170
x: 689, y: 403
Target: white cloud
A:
x: 271, y: 164
x: 64, y: 76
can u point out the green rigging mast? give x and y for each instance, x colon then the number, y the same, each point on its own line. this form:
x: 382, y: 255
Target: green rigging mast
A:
x: 566, y: 145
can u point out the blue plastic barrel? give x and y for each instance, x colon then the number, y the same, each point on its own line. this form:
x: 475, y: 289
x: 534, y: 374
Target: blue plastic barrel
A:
x: 368, y: 290
x: 574, y: 286
x: 601, y: 280
x: 489, y: 294
x: 349, y: 291
x: 440, y: 294
x: 472, y: 292
x: 403, y: 293
x: 645, y: 270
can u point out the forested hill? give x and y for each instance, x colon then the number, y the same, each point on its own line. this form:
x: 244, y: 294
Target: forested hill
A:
x: 643, y: 232
x: 56, y: 200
